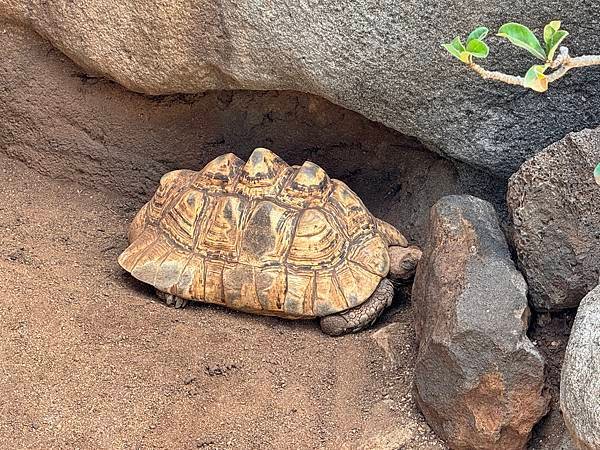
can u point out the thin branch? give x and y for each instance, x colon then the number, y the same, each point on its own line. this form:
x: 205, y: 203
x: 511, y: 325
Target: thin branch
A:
x: 585, y: 60
x: 497, y: 76
x: 561, y: 58
x: 563, y: 63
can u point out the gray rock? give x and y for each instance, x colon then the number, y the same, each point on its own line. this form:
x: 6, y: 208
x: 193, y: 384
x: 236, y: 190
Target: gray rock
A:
x: 553, y: 202
x: 479, y: 379
x: 381, y: 59
x: 580, y: 379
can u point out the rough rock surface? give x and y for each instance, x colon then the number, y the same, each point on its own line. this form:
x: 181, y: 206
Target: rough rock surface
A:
x: 580, y: 380
x: 553, y: 201
x: 124, y: 142
x: 381, y: 59
x: 479, y: 379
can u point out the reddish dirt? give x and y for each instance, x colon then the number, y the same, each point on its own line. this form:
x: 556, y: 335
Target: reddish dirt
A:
x: 550, y: 333
x: 90, y: 359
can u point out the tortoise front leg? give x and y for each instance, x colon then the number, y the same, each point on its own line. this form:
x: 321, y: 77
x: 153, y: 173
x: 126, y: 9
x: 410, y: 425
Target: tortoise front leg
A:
x: 361, y: 316
x: 172, y: 300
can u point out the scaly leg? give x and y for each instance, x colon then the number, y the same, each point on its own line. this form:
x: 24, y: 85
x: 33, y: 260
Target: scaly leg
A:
x: 361, y: 316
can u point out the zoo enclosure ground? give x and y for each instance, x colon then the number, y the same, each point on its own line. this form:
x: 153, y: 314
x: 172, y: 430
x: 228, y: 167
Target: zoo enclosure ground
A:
x: 90, y: 359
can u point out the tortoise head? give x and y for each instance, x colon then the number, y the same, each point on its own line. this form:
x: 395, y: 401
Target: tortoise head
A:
x: 403, y: 262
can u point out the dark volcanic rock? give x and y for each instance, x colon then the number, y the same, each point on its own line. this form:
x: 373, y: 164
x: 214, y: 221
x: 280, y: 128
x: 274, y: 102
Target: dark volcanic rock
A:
x: 553, y: 201
x: 479, y: 379
x: 580, y: 380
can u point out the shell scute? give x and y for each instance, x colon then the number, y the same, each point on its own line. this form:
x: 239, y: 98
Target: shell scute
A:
x: 309, y: 187
x: 138, y: 224
x: 329, y: 297
x: 299, y: 296
x: 349, y: 208
x: 221, y: 234
x: 171, y: 185
x: 180, y: 221
x: 372, y: 255
x: 356, y: 283
x: 220, y: 174
x: 239, y: 287
x: 213, y: 281
x: 317, y: 242
x: 267, y: 234
x: 148, y: 263
x: 170, y: 270
x: 263, y: 175
x: 191, y: 280
x: 128, y: 258
x: 271, y: 287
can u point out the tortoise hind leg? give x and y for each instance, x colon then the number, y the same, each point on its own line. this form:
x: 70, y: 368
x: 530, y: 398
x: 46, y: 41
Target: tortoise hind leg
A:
x: 361, y: 316
x: 172, y: 300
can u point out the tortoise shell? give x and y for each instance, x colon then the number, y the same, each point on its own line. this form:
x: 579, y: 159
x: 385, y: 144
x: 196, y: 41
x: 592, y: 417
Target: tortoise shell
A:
x: 261, y: 237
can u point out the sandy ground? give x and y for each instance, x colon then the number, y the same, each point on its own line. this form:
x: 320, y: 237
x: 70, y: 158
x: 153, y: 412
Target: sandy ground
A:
x: 90, y: 359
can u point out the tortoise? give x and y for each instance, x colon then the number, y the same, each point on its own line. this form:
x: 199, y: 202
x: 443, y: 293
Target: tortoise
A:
x: 267, y: 238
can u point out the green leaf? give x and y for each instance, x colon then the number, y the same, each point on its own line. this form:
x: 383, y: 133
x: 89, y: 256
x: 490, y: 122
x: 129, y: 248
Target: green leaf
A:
x: 597, y: 174
x: 457, y: 49
x: 535, y: 78
x: 457, y: 44
x: 523, y: 37
x: 553, y: 36
x: 555, y: 41
x: 555, y: 24
x: 478, y: 33
x: 549, y: 30
x: 477, y: 48
x: 452, y: 50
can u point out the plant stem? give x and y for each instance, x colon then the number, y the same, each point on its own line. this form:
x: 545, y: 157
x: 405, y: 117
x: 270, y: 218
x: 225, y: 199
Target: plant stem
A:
x: 563, y: 63
x: 498, y: 76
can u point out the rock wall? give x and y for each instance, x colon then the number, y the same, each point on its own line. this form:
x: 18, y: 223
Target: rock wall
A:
x: 381, y: 59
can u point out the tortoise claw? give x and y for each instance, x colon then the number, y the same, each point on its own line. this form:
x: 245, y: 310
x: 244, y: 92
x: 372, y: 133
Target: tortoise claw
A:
x: 172, y: 300
x: 180, y: 302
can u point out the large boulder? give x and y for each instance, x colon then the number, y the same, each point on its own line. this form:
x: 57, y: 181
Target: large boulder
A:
x: 383, y: 60
x: 479, y: 379
x: 553, y: 202
x: 580, y: 379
